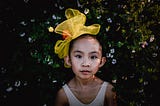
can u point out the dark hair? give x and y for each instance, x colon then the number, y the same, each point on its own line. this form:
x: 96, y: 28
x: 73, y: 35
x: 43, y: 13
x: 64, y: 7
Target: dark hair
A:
x: 84, y: 36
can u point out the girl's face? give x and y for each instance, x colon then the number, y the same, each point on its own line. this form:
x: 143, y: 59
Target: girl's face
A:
x: 86, y: 57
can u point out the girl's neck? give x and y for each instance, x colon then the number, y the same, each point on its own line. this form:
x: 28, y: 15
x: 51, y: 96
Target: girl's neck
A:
x: 84, y: 82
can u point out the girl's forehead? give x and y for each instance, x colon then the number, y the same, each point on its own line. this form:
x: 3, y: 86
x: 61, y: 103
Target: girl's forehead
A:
x: 87, y: 43
x: 87, y: 40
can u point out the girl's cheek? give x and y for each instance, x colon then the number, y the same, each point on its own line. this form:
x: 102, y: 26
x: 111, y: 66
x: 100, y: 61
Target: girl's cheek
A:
x: 76, y: 61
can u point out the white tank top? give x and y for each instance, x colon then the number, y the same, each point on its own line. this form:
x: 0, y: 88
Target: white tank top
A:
x: 98, y: 101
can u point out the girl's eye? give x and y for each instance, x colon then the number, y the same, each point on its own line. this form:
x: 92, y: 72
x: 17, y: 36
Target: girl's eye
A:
x: 94, y: 57
x: 78, y: 56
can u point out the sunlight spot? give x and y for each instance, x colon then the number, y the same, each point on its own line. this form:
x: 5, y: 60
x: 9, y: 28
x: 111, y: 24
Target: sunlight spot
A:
x: 17, y: 83
x: 151, y: 38
x: 25, y: 83
x: 54, y: 16
x: 32, y: 20
x: 106, y: 3
x: 107, y: 28
x: 60, y: 7
x: 133, y: 51
x: 9, y: 89
x: 45, y: 105
x: 109, y: 20
x: 44, y: 11
x: 141, y: 91
x: 98, y: 17
x: 125, y: 78
x: 38, y: 79
x: 22, y: 34
x: 54, y: 81
x: 47, y: 22
x: 56, y: 5
x: 132, y: 76
x: 112, y: 50
x: 51, y: 29
x: 30, y: 40
x: 86, y: 11
x: 4, y: 96
x: 23, y: 23
x: 26, y: 1
x: 58, y: 18
x: 78, y: 3
x: 50, y: 62
x: 114, y: 61
x: 154, y: 54
x: 145, y: 83
x: 114, y: 81
x: 144, y: 44
x: 111, y: 56
x: 3, y: 70
x: 108, y: 55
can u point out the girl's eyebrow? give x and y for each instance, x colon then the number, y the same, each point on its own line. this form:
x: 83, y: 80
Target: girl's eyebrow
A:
x: 93, y: 52
x: 78, y: 51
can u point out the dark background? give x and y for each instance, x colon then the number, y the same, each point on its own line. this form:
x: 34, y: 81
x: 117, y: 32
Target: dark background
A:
x: 27, y: 80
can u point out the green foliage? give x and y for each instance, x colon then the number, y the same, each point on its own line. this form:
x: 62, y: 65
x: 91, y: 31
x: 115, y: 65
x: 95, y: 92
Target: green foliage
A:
x: 129, y: 42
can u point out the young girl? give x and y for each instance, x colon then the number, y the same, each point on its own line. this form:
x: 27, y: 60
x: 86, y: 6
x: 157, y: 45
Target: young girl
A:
x: 82, y: 52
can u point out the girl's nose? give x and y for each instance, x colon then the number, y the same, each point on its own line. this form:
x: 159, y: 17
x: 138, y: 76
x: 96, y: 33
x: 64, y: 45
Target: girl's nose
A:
x: 86, y: 63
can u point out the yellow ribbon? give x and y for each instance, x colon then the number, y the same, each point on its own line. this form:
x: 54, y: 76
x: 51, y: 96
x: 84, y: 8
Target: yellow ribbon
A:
x: 70, y: 29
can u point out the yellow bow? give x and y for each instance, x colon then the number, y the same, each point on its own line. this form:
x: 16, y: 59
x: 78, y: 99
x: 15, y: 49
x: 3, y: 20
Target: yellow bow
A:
x: 70, y: 29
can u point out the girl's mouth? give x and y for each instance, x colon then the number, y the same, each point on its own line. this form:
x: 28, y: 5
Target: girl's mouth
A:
x: 85, y: 72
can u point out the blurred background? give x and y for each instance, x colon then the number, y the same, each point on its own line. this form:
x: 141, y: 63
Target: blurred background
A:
x: 31, y: 74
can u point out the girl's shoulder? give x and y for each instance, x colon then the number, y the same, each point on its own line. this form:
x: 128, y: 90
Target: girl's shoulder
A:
x: 110, y: 95
x: 61, y: 99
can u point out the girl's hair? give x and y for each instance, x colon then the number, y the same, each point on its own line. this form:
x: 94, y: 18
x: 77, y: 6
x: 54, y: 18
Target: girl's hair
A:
x: 84, y: 36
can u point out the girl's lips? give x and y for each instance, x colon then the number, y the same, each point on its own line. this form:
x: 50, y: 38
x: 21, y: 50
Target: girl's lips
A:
x: 85, y: 72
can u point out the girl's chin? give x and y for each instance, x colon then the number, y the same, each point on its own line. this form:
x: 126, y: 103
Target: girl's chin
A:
x: 86, y: 76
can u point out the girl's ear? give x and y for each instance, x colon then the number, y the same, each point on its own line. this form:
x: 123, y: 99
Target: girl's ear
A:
x: 103, y: 61
x: 67, y: 61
